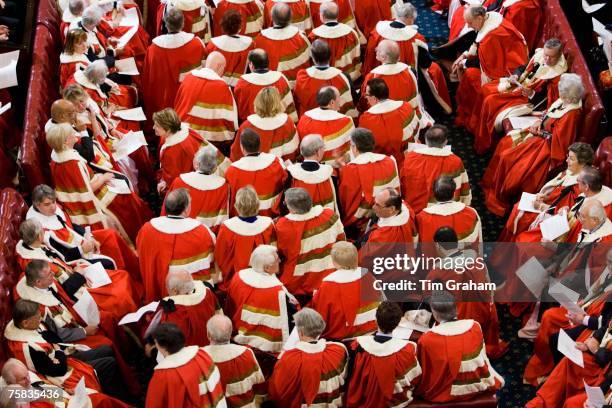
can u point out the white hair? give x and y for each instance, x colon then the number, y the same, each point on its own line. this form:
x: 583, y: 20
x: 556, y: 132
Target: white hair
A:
x: 96, y: 72
x: 76, y: 7
x: 309, y: 322
x: 219, y: 329
x: 311, y: 144
x: 92, y: 16
x: 176, y: 282
x: 571, y: 88
x: 206, y: 160
x: 406, y: 10
x: 262, y: 256
x: 596, y: 210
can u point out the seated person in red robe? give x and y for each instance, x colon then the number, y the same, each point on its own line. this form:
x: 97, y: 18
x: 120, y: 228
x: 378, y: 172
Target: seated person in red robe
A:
x: 195, y: 12
x: 250, y: 10
x: 524, y: 158
x: 241, y: 376
x: 300, y: 14
x: 453, y: 356
x: 185, y: 375
x: 314, y: 370
x: 385, y: 369
x: 341, y: 298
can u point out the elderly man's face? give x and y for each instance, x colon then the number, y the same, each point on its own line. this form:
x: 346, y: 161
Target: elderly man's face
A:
x: 582, y: 186
x: 273, y: 268
x: 22, y: 376
x: 588, y: 223
x: 475, y: 23
x: 551, y: 56
x: 45, y: 279
x: 380, y: 54
x: 380, y: 207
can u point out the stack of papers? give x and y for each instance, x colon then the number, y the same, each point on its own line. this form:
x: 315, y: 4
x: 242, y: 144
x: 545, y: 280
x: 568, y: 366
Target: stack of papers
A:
x: 555, y: 226
x: 130, y: 142
x: 126, y: 66
x: 135, y: 114
x: 118, y: 186
x: 79, y: 399
x: 8, y: 69
x: 97, y: 275
x: 87, y: 309
x: 522, y: 122
x: 526, y: 203
x: 595, y: 395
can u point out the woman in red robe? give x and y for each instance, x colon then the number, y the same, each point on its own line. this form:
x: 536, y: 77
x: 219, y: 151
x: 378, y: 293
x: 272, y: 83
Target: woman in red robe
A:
x: 524, y: 158
x: 74, y: 57
x: 96, y: 200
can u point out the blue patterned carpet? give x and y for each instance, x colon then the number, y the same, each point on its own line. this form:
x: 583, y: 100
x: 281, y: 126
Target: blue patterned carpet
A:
x: 511, y: 366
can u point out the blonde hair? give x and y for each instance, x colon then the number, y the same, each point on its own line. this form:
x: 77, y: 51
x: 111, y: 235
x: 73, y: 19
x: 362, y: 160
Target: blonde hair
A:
x: 73, y: 93
x: 73, y: 38
x: 57, y: 135
x: 247, y: 202
x: 345, y: 255
x: 268, y: 103
x: 168, y: 119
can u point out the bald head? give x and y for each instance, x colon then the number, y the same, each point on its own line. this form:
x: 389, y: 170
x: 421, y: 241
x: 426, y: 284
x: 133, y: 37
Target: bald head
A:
x: 63, y: 111
x: 14, y: 372
x: 312, y: 147
x: 592, y: 214
x: 329, y: 12
x: 219, y: 329
x: 179, y: 283
x: 388, y: 52
x: 281, y: 15
x: 216, y: 62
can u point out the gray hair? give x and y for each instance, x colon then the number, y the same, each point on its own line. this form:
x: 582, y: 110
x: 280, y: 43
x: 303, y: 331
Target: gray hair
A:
x: 219, y: 329
x: 553, y: 43
x: 9, y: 368
x: 174, y: 20
x: 298, y: 200
x: 329, y: 11
x: 595, y: 209
x: 310, y: 145
x: 180, y: 281
x: 262, y: 256
x: 406, y: 10
x: 206, y: 160
x: 281, y: 14
x: 475, y: 11
x: 76, y: 7
x: 29, y: 231
x: 443, y: 305
x: 571, y: 88
x: 96, y: 72
x: 41, y: 192
x: 309, y: 322
x: 92, y: 16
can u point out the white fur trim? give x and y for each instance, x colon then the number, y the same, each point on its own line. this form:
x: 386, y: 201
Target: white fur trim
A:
x: 187, y: 5
x: 191, y: 299
x: 232, y: 44
x: 322, y: 174
x: 264, y: 79
x: 396, y: 220
x: 385, y: 107
x: 447, y: 208
x: 175, y: 138
x: 313, y: 213
x: 221, y: 353
x: 336, y: 31
x: 279, y: 34
x: 178, y: 359
x: 203, y: 182
x: 385, y: 29
x: 492, y: 21
x: 174, y: 225
x: 206, y: 73
x: 324, y: 115
x: 258, y: 280
x: 249, y: 229
x: 382, y: 349
x: 602, y: 232
x: 268, y: 123
x: 453, y: 328
x: 311, y: 348
x: 558, y: 113
x: 368, y: 157
x: 45, y: 298
x: 323, y: 74
x: 345, y: 275
x: 255, y: 163
x: 172, y: 41
x: 434, y: 151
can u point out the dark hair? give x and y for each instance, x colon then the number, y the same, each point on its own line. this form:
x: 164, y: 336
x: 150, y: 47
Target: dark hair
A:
x: 33, y: 270
x: 23, y: 310
x: 592, y: 178
x: 436, y: 136
x: 363, y: 139
x: 446, y: 237
x: 378, y: 88
x: 394, y: 200
x: 388, y: 316
x: 320, y: 52
x: 584, y: 153
x: 41, y: 192
x: 326, y: 95
x: 443, y: 304
x: 231, y: 22
x: 177, y: 201
x: 250, y: 140
x: 444, y: 189
x: 281, y: 15
x: 169, y: 336
x: 259, y: 58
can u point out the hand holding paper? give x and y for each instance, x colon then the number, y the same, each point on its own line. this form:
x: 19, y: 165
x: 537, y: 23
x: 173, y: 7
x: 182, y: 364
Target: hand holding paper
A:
x: 87, y: 309
x: 96, y: 275
x: 567, y: 347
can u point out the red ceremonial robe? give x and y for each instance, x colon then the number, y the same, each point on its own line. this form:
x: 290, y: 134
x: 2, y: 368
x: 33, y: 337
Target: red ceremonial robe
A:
x: 257, y: 304
x: 525, y: 15
x: 423, y: 167
x: 318, y: 183
x: 507, y: 176
x: 123, y: 96
x: 400, y: 80
x: 500, y: 49
x: 168, y: 59
x: 167, y: 244
x: 235, y: 49
x: 243, y: 382
x: 344, y: 46
x: 266, y: 173
x: 69, y: 64
x: 463, y: 219
x: 309, y: 374
x: 236, y: 241
x: 304, y: 243
x: 501, y: 99
x: 385, y: 372
x: 185, y: 379
x: 251, y: 11
x: 99, y: 209
x: 277, y: 134
x: 394, y: 125
x: 334, y: 127
x: 287, y: 49
x: 369, y: 12
x: 341, y: 302
x: 359, y: 181
x: 310, y: 80
x: 209, y: 195
x: 190, y: 313
x: 205, y: 102
x: 300, y: 14
x: 177, y: 153
x: 345, y: 13
x: 453, y: 356
x: 249, y: 85
x: 195, y: 15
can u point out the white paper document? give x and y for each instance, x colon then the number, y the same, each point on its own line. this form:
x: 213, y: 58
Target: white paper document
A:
x: 135, y: 114
x: 418, y: 146
x: 402, y: 332
x: 130, y: 18
x: 292, y: 340
x: 118, y: 186
x: 79, y: 399
x: 97, y: 275
x: 533, y: 275
x: 526, y: 203
x: 567, y: 347
x: 565, y: 296
x: 591, y: 8
x: 555, y: 226
x: 126, y: 66
x: 605, y: 36
x: 558, y: 287
x: 130, y: 142
x: 4, y: 108
x: 8, y: 69
x: 522, y: 122
x: 416, y: 320
x: 87, y: 308
x: 125, y: 38
x: 137, y: 315
x: 595, y: 395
